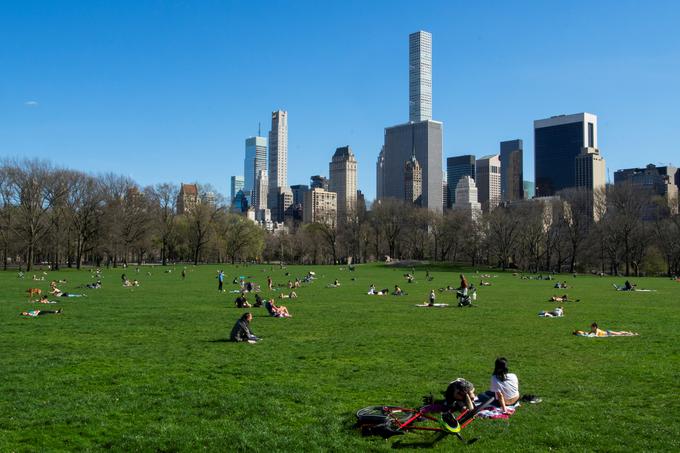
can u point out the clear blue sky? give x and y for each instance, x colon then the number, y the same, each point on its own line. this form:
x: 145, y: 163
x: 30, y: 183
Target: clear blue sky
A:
x: 169, y: 90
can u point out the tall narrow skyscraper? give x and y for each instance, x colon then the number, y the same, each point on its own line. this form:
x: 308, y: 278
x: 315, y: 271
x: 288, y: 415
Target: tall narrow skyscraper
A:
x: 420, y: 133
x: 557, y: 142
x: 343, y: 181
x: 420, y: 76
x: 512, y: 173
x: 278, y: 150
x: 456, y: 168
x: 259, y: 201
x: 488, y: 181
x: 255, y: 161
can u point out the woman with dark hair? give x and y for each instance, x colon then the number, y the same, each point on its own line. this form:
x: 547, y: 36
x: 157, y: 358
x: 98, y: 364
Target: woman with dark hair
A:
x: 241, y: 330
x: 504, y: 385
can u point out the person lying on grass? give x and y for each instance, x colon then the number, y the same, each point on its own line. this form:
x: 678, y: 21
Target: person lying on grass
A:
x: 562, y: 298
x: 595, y: 331
x: 291, y: 295
x: 44, y: 300
x: 556, y: 313
x: 34, y: 313
x: 627, y: 286
x: 56, y: 292
x: 275, y: 310
x: 241, y: 330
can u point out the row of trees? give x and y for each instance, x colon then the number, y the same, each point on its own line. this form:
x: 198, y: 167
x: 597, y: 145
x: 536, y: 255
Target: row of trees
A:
x: 635, y: 233
x: 60, y: 216
x: 66, y: 217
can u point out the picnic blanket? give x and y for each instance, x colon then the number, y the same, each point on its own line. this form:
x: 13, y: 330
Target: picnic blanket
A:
x: 433, y: 306
x: 496, y: 413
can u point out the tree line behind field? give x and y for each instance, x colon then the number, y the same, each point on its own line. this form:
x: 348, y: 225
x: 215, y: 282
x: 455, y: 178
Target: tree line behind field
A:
x: 70, y: 218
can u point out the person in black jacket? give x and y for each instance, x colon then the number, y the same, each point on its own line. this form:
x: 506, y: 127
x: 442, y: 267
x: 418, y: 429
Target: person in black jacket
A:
x: 241, y: 330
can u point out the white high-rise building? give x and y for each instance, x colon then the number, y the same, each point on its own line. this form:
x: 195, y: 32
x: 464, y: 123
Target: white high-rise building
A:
x: 259, y: 201
x: 488, y: 181
x: 466, y: 197
x: 278, y: 150
x: 420, y: 76
x: 591, y: 174
x: 255, y: 161
x: 343, y: 181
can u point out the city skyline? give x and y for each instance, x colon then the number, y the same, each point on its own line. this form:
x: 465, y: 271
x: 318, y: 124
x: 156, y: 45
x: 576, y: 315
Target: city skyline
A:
x: 134, y: 105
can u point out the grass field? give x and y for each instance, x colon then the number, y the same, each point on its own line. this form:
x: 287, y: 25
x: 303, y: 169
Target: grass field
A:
x: 150, y: 368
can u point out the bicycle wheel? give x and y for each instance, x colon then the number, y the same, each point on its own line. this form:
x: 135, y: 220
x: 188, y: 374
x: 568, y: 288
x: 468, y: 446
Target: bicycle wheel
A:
x: 375, y: 415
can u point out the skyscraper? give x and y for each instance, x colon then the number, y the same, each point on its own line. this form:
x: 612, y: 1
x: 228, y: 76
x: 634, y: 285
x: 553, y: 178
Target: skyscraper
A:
x: 236, y: 185
x: 512, y: 173
x: 259, y: 201
x: 278, y: 150
x: 380, y: 175
x: 456, y: 168
x: 466, y: 197
x: 420, y: 76
x: 413, y: 181
x: 488, y: 181
x: 591, y: 174
x: 557, y: 142
x: 255, y: 161
x: 400, y: 141
x: 343, y: 181
x: 420, y: 133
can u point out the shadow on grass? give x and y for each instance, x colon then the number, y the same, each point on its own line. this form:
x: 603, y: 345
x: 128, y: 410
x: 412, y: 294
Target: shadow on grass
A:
x: 219, y: 340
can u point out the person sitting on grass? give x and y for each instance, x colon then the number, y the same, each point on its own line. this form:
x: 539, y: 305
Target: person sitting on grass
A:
x: 595, y: 331
x: 335, y: 284
x: 371, y: 290
x: 291, y: 295
x: 276, y: 311
x: 241, y: 330
x: 556, y: 313
x: 458, y: 397
x: 95, y: 285
x: 241, y: 301
x: 258, y: 300
x: 504, y: 386
x: 34, y: 313
x: 398, y: 291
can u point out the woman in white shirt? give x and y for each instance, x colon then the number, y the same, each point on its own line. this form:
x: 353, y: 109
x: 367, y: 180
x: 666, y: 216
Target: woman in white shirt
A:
x: 504, y: 385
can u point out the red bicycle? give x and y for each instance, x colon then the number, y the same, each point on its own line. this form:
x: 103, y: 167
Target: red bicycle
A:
x: 388, y: 421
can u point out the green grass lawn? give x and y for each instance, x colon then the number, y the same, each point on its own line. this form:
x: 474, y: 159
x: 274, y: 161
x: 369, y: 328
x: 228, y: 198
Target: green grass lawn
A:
x: 150, y: 368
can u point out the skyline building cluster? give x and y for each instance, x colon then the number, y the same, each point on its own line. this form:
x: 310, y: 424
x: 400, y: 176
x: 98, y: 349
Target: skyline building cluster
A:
x: 410, y: 165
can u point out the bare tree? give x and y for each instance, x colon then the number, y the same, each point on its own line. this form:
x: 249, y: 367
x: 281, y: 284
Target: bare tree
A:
x: 33, y: 192
x: 163, y: 198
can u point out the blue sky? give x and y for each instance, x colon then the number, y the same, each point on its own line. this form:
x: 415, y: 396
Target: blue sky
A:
x: 169, y: 90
